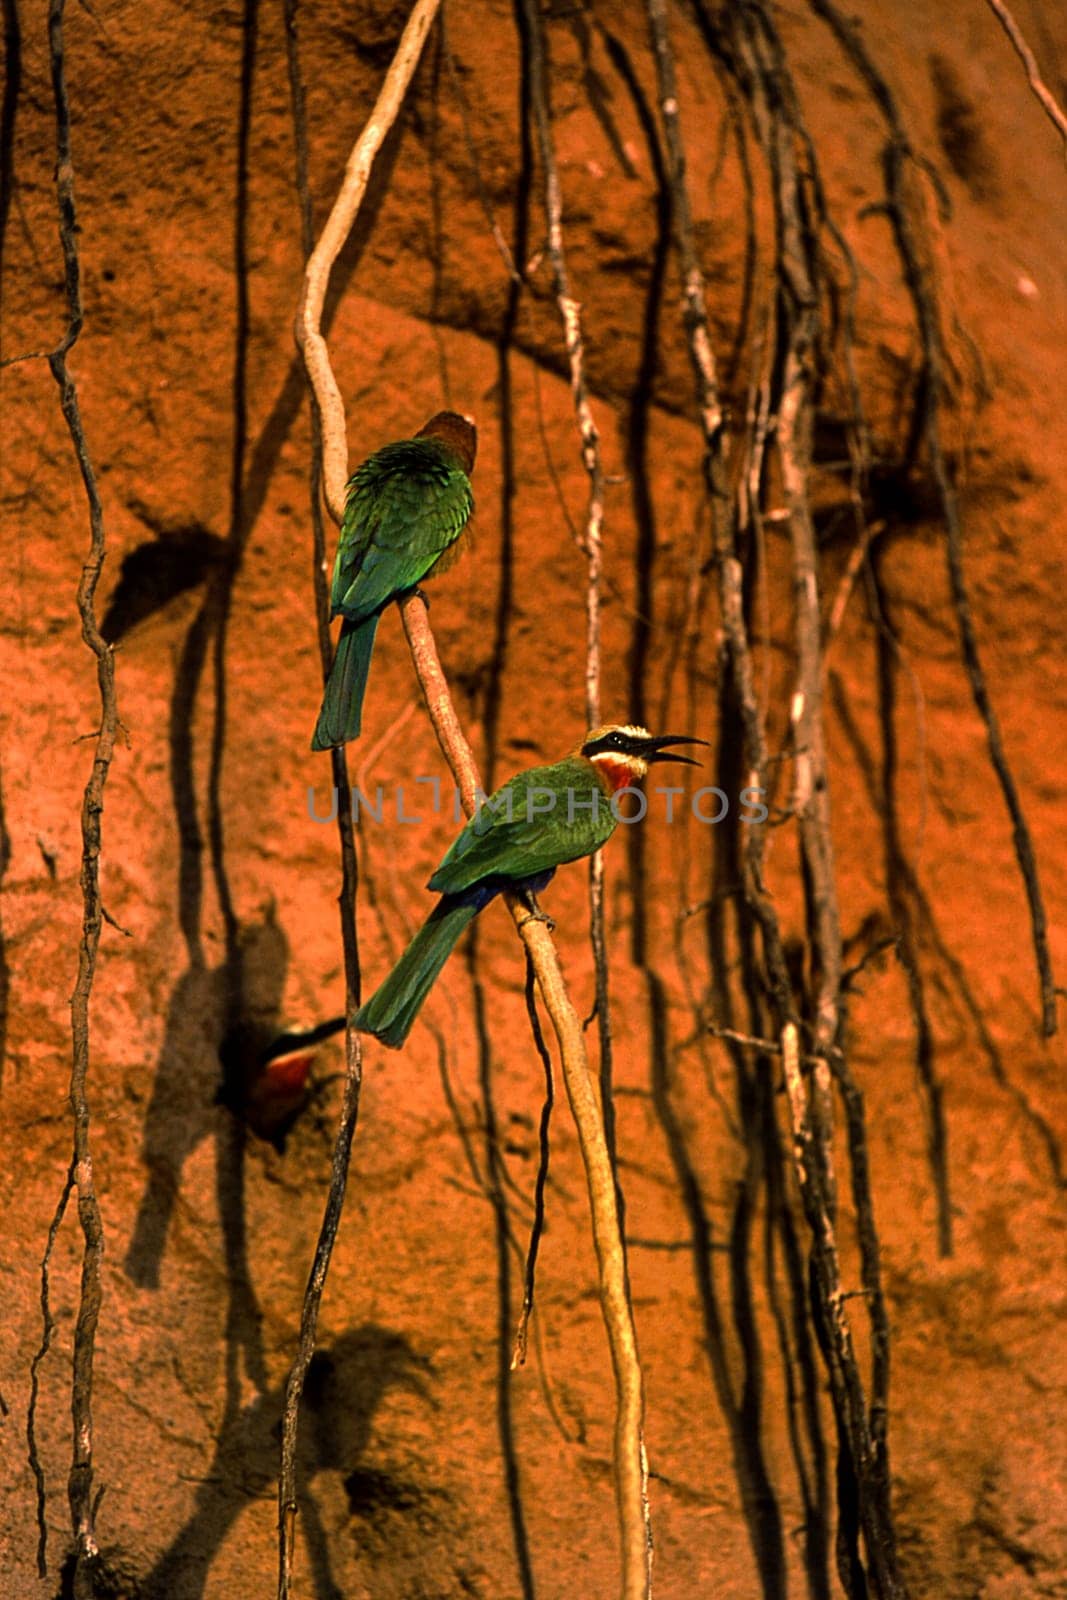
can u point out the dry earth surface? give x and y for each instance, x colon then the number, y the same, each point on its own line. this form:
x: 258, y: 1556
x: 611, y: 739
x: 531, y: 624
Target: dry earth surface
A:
x: 214, y: 865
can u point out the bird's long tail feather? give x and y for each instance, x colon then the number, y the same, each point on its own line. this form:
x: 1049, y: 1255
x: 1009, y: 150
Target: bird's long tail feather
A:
x: 392, y: 1009
x: 341, y: 716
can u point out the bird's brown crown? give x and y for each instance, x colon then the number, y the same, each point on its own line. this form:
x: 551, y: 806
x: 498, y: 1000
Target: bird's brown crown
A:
x: 458, y: 433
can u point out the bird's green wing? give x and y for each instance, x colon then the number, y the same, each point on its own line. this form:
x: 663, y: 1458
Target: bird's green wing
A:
x: 406, y: 504
x: 535, y: 822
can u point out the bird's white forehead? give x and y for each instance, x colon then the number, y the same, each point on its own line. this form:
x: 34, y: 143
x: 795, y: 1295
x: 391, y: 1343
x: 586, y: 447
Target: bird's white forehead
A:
x: 631, y: 730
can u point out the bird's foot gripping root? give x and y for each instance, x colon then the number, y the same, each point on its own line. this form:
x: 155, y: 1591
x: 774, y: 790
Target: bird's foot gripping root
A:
x: 535, y: 914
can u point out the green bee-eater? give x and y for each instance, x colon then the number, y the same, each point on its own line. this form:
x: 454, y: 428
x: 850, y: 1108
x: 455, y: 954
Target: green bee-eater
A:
x: 515, y: 841
x: 266, y: 1075
x: 405, y: 509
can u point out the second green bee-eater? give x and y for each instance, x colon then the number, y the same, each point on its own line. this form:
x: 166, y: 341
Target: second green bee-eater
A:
x: 514, y: 843
x: 406, y: 507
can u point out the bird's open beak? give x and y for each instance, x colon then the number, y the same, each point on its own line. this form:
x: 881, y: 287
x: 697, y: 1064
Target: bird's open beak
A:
x: 658, y: 748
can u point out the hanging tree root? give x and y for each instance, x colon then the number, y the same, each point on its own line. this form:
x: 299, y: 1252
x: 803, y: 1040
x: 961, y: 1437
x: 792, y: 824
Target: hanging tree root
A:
x: 327, y: 474
x: 758, y: 60
x: 630, y: 1463
x: 518, y: 1355
x: 798, y: 204
x: 591, y: 539
x: 1041, y: 91
x: 79, y: 1180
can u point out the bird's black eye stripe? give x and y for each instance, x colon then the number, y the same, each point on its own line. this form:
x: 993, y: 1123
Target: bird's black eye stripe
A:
x: 615, y: 740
